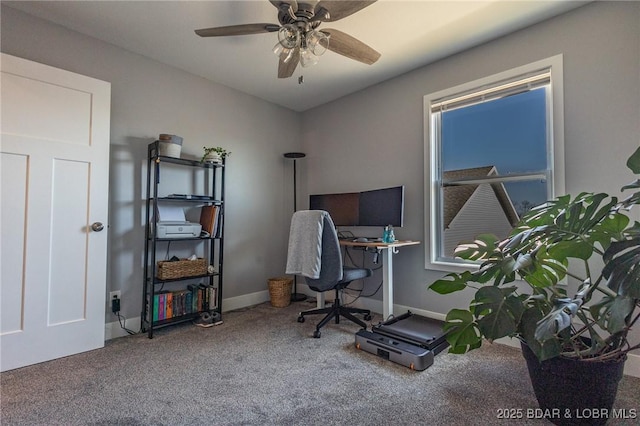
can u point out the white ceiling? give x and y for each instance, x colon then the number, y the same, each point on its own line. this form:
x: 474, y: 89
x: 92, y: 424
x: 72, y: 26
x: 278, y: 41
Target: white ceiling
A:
x: 408, y: 34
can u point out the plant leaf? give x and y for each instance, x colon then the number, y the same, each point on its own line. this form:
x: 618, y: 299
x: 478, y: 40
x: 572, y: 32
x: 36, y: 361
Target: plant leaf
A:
x: 529, y: 323
x: 461, y: 330
x: 612, y: 314
x: 578, y: 249
x: 451, y: 283
x: 479, y: 249
x: 631, y: 185
x: 622, y: 267
x: 498, y: 311
x: 633, y: 162
x: 557, y: 320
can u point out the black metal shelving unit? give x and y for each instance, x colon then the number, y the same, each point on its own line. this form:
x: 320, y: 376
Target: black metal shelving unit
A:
x: 214, y: 175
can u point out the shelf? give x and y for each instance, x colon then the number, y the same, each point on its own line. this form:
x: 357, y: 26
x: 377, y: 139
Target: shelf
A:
x: 186, y: 162
x: 153, y: 156
x: 157, y: 280
x: 176, y: 320
x: 212, y: 249
x: 184, y: 239
x: 190, y: 200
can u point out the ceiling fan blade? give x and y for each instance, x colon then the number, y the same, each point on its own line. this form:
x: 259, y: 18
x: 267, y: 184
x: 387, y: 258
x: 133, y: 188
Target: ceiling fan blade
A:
x: 286, y: 69
x: 277, y: 3
x: 234, y: 30
x: 339, y: 9
x: 345, y: 45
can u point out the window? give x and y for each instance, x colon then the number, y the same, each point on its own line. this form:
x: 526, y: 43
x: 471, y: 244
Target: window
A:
x: 494, y: 149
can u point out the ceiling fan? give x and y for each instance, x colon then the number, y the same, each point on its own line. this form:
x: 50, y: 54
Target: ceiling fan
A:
x: 299, y: 39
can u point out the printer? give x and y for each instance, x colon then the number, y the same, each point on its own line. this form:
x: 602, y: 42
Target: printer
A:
x: 178, y: 230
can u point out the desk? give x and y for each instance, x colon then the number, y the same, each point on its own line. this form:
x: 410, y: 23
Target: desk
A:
x: 387, y: 268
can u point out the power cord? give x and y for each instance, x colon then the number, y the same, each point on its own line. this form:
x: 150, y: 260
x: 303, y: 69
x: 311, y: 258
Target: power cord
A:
x: 123, y: 323
x: 122, y: 320
x: 359, y: 291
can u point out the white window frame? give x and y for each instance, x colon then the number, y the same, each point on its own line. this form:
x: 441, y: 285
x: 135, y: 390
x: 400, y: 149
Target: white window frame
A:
x: 432, y: 150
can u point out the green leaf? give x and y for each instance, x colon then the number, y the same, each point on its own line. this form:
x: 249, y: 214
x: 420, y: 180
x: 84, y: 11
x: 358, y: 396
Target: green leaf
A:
x: 620, y: 310
x: 622, y: 267
x: 557, y: 320
x: 498, y: 311
x: 609, y: 229
x: 529, y: 323
x: 612, y: 314
x: 547, y: 270
x: 633, y: 162
x: 578, y: 249
x: 479, y: 249
x: 632, y: 185
x: 461, y: 330
x: 451, y: 283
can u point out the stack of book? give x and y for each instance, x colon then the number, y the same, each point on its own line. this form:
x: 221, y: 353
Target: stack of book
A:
x: 196, y: 298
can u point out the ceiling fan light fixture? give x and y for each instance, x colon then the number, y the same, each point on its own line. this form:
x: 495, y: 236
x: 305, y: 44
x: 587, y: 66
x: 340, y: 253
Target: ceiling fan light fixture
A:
x: 289, y: 55
x: 307, y: 58
x: 283, y: 53
x: 289, y: 36
x: 277, y: 49
x: 317, y: 42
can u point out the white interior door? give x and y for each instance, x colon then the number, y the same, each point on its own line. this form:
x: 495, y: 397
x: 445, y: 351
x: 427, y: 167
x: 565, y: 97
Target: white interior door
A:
x: 54, y: 169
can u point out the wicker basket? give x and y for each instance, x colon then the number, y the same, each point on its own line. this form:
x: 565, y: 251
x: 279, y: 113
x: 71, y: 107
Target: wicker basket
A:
x: 168, y: 270
x: 280, y: 291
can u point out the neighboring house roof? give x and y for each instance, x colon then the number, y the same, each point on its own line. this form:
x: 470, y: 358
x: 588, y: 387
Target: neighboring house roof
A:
x: 456, y: 196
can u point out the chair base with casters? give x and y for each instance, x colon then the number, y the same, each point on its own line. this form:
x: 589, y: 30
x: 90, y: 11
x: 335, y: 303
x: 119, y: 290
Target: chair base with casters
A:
x: 338, y: 310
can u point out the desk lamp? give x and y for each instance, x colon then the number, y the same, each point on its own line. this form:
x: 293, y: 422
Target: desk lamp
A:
x: 295, y: 296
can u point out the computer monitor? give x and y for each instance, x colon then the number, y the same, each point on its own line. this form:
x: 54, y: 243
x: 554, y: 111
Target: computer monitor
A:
x: 343, y: 208
x: 379, y: 207
x: 382, y: 207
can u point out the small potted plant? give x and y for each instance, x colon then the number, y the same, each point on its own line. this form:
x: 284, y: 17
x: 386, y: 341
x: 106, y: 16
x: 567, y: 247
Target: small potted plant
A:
x: 214, y: 154
x: 566, y: 283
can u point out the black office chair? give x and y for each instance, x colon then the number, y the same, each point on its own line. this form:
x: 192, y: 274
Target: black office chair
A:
x: 314, y: 252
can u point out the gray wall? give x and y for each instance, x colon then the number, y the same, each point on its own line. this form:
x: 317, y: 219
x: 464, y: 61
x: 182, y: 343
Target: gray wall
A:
x: 149, y: 98
x: 374, y: 138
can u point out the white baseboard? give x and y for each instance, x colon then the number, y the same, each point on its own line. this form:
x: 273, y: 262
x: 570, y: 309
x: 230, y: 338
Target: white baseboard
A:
x: 245, y: 300
x: 113, y: 329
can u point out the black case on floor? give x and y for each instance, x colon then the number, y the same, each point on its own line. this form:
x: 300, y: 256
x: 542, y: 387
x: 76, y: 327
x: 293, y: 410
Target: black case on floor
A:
x: 410, y: 340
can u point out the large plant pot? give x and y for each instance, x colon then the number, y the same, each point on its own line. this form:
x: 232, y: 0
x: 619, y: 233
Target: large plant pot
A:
x: 573, y: 392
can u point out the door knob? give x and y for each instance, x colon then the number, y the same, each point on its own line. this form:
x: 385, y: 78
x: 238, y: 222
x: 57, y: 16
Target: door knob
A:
x: 97, y: 226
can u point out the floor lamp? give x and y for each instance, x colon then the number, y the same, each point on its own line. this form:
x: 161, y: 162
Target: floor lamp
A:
x: 295, y: 296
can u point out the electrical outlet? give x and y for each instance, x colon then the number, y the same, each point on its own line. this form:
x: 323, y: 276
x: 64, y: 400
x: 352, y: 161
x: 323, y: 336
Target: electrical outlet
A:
x: 114, y: 301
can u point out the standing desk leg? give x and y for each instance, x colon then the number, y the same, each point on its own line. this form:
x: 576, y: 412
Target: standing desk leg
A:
x: 387, y: 285
x: 319, y: 300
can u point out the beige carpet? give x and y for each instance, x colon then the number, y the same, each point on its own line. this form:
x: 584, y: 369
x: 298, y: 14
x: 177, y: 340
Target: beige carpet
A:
x: 262, y: 367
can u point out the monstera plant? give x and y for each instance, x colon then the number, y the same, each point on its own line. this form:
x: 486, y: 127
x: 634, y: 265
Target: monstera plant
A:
x: 566, y: 281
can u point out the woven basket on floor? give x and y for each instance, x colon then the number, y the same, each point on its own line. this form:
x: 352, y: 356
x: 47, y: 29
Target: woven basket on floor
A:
x: 280, y: 291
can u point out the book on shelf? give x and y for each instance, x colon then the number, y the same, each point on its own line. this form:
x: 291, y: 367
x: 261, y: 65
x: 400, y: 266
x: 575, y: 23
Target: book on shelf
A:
x: 156, y: 307
x: 168, y: 305
x: 218, y: 227
x: 195, y: 298
x: 209, y: 219
x: 161, y: 311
